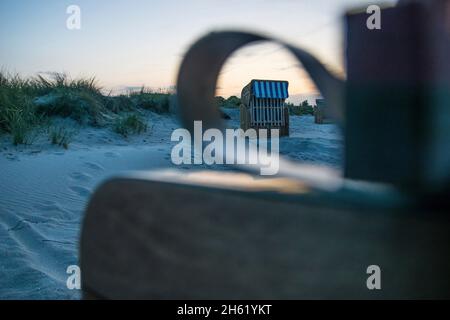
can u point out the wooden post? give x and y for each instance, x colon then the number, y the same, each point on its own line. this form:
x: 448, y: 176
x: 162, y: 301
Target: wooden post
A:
x: 398, y: 97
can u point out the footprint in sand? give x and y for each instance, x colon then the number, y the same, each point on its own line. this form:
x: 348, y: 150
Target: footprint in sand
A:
x: 111, y: 154
x: 12, y: 157
x: 81, y: 191
x: 94, y: 166
x: 80, y: 176
x: 53, y: 209
x: 47, y: 206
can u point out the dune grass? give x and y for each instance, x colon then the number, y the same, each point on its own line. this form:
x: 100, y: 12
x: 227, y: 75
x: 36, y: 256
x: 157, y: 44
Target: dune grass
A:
x: 129, y: 124
x: 149, y: 100
x: 17, y: 113
x: 27, y: 103
x: 60, y: 135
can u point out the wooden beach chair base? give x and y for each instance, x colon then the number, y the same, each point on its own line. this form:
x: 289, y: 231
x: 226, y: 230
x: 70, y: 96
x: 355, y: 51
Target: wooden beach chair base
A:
x: 233, y: 236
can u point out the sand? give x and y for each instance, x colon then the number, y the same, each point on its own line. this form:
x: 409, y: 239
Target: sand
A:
x: 44, y: 190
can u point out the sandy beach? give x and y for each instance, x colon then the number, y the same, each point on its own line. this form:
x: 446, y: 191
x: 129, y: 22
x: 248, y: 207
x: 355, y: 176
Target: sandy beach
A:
x: 45, y: 189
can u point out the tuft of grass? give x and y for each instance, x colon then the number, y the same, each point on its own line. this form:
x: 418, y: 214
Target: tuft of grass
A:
x: 80, y: 106
x: 60, y: 136
x: 120, y: 103
x: 79, y: 99
x: 17, y: 115
x: 20, y: 123
x: 44, y: 85
x: 130, y: 124
x: 149, y: 100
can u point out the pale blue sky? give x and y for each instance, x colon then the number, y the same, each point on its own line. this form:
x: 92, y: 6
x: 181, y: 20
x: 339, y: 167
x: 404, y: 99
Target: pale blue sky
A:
x: 138, y: 42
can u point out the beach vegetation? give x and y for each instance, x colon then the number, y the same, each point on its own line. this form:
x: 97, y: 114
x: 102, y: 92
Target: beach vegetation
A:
x: 302, y: 109
x: 27, y: 103
x: 60, y: 136
x: 129, y: 124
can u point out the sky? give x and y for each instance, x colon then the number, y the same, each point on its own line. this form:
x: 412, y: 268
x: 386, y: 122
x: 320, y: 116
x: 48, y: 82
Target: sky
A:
x: 131, y: 43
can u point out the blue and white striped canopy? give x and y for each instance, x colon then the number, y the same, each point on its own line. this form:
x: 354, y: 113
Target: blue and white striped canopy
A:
x: 270, y: 89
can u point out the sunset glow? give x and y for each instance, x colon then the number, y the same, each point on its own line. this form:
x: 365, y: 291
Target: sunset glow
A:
x: 127, y: 44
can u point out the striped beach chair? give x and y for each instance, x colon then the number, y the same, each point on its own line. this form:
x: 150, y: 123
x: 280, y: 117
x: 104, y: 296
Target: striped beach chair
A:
x: 263, y: 106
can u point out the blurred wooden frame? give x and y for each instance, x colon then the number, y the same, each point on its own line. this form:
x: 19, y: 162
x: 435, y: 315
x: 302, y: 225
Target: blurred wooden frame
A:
x: 229, y: 236
x: 398, y: 96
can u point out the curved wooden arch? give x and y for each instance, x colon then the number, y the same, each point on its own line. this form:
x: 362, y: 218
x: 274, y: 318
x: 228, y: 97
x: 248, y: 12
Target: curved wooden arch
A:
x: 200, y: 68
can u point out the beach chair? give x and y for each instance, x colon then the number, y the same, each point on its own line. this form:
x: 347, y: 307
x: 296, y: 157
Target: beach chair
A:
x: 263, y: 106
x: 320, y: 112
